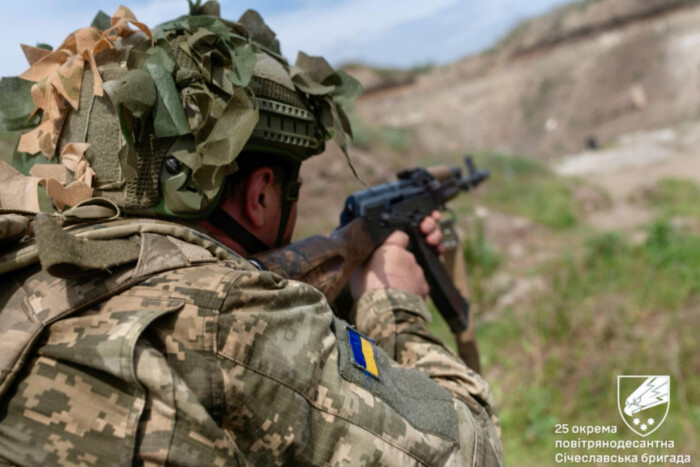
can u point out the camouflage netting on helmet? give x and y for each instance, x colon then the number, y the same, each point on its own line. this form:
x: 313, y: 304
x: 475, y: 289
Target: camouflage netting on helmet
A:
x: 116, y: 100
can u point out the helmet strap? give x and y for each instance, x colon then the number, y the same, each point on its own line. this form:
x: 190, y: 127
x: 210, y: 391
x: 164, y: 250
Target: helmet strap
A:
x: 231, y: 227
x: 289, y: 196
x: 253, y: 245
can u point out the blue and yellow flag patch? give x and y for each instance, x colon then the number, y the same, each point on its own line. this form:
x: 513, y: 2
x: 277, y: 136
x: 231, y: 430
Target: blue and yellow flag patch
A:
x: 363, y: 352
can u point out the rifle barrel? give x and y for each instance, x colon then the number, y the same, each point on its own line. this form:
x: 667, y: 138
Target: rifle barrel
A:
x: 473, y: 179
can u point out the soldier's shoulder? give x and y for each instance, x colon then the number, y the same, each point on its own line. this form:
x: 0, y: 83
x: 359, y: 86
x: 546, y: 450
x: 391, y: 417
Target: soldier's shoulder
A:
x: 231, y: 285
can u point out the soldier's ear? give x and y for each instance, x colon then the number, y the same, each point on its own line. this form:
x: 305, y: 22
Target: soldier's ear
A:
x: 260, y: 197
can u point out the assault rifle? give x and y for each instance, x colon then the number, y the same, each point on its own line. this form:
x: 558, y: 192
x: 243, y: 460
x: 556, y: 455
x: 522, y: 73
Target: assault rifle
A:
x: 368, y: 218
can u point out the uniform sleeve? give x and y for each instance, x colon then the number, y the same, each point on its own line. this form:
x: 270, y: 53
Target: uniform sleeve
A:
x: 397, y: 321
x: 294, y: 390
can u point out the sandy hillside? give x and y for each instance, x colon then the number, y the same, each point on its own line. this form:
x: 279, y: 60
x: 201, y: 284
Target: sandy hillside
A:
x: 594, y: 69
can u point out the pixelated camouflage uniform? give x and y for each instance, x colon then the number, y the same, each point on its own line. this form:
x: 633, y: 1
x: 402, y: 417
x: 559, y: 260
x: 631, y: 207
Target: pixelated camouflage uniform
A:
x: 189, y: 356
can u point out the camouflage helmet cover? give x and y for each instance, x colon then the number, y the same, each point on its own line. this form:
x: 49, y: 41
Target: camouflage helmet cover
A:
x: 153, y: 120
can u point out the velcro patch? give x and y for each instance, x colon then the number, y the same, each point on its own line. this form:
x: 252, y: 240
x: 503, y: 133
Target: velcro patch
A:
x: 363, y: 352
x: 410, y: 393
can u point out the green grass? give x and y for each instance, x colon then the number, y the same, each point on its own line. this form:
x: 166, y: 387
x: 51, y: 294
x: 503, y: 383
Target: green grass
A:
x: 663, y: 272
x: 482, y: 260
x: 528, y: 188
x: 612, y: 308
x: 676, y: 197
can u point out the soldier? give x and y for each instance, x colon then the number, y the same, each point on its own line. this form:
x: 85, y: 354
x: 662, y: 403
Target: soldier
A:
x: 128, y: 334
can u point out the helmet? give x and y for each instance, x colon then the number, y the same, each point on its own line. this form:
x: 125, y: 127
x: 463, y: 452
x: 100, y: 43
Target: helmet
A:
x: 153, y: 121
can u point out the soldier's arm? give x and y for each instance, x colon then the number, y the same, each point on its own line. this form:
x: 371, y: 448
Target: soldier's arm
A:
x: 297, y: 390
x: 397, y: 321
x: 390, y: 310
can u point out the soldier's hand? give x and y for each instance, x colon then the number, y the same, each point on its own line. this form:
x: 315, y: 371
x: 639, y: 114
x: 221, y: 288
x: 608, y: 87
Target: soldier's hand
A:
x: 392, y: 265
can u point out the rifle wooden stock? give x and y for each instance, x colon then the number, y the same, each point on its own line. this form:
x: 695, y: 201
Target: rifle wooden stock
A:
x: 323, y: 262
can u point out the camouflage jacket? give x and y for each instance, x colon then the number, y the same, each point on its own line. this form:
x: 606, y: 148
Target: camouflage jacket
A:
x: 209, y: 361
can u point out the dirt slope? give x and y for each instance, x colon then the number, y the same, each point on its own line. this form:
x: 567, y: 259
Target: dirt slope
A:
x: 543, y: 94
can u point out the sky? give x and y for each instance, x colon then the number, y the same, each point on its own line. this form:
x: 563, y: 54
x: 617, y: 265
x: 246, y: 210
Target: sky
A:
x: 388, y: 33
